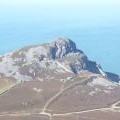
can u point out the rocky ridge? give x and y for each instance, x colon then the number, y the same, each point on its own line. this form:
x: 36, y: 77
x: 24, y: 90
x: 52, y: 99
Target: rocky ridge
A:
x: 57, y: 57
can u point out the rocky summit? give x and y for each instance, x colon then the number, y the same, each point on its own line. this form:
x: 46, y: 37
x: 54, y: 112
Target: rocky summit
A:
x: 57, y: 57
x: 56, y: 81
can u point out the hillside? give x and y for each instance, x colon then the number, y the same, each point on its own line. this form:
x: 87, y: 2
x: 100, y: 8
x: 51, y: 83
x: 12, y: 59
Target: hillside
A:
x: 56, y: 81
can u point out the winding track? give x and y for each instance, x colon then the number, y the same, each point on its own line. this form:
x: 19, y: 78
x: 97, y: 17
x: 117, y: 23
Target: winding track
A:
x: 53, y: 115
x: 65, y: 68
x: 51, y: 100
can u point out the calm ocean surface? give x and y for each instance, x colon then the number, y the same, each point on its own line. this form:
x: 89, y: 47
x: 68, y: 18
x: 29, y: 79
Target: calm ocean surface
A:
x: 99, y: 44
x: 94, y: 27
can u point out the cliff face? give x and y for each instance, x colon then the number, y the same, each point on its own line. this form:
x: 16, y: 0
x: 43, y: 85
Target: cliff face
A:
x: 57, y: 57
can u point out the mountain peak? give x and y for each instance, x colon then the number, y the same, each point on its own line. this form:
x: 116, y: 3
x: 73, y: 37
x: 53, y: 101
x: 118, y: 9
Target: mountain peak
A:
x: 62, y: 39
x: 57, y: 57
x: 64, y: 42
x: 63, y: 46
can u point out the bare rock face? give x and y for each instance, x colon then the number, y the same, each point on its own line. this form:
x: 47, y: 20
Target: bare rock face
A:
x: 63, y: 46
x: 56, y: 80
x: 59, y: 48
x: 57, y: 57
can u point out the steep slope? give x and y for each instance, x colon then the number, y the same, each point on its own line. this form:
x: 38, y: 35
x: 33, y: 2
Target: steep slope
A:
x: 55, y: 81
x: 59, y: 56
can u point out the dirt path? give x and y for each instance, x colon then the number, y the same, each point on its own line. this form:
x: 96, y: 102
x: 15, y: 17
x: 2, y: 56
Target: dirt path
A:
x: 62, y: 66
x: 51, y: 100
x: 115, y: 105
x: 86, y: 111
x: 18, y: 114
x: 48, y: 114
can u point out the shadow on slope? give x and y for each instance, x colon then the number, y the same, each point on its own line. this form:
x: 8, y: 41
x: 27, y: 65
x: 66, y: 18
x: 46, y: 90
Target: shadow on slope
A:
x: 113, y: 77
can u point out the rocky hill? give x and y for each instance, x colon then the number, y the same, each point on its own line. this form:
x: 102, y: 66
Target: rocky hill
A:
x: 56, y: 57
x: 56, y: 81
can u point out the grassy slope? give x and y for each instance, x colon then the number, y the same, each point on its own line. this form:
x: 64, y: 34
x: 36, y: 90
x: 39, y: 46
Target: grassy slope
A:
x: 5, y: 85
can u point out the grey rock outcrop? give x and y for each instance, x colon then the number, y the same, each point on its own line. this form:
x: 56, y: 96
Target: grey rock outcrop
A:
x: 57, y: 57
